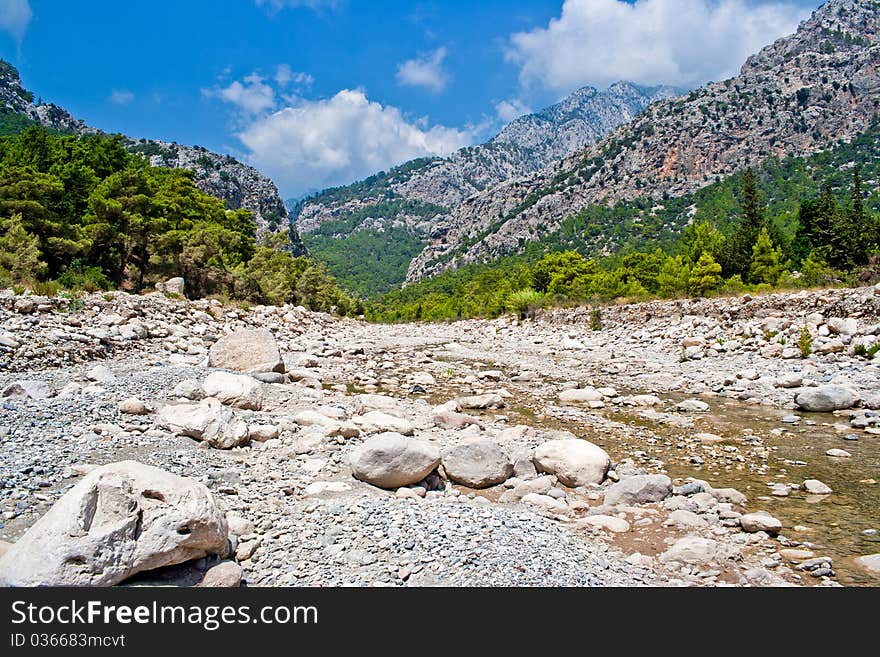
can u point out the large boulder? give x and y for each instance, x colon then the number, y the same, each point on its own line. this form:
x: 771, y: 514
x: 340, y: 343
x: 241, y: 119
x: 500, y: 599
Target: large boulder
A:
x: 825, y: 399
x: 870, y: 562
x: 175, y: 286
x: 760, y: 521
x: 237, y: 390
x: 575, y: 462
x: 640, y: 489
x: 477, y: 464
x: 693, y: 550
x: 391, y: 460
x: 121, y: 519
x: 248, y: 351
x: 208, y: 421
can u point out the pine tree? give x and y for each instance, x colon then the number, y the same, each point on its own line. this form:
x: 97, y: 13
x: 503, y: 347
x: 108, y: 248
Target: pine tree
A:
x: 765, y: 266
x: 739, y: 252
x: 19, y: 252
x: 802, y: 244
x: 705, y: 276
x: 855, y: 229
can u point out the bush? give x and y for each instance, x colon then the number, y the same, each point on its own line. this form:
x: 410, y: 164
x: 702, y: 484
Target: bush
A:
x: 47, y: 288
x: 525, y: 302
x: 805, y: 343
x: 596, y: 319
x: 81, y: 277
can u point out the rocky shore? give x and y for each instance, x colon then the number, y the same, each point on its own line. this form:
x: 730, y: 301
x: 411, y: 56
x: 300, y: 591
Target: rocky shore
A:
x: 147, y: 439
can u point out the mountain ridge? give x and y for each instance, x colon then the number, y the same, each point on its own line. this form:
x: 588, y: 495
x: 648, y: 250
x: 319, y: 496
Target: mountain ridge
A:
x: 237, y: 184
x: 796, y: 96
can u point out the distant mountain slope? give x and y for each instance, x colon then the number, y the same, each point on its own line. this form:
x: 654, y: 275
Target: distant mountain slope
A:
x: 800, y: 95
x: 388, y: 218
x: 221, y: 176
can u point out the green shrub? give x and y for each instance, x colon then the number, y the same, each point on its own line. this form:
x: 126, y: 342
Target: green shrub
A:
x: 596, y: 319
x: 805, y: 343
x: 525, y: 302
x: 82, y: 277
x: 47, y: 288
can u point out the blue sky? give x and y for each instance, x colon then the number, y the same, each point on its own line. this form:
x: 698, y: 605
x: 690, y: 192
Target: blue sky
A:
x: 323, y: 92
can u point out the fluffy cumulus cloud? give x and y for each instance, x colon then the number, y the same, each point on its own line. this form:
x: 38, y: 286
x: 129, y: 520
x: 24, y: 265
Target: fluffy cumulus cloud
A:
x: 508, y: 110
x: 15, y: 16
x: 252, y: 96
x: 323, y: 143
x: 121, y: 97
x: 681, y: 42
x: 425, y: 72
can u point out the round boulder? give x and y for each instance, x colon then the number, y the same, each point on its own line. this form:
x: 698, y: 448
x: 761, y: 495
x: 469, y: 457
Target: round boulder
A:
x: 477, y: 465
x: 390, y: 460
x: 575, y: 462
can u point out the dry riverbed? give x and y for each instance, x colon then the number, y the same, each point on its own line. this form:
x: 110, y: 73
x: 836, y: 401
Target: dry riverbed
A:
x: 455, y: 454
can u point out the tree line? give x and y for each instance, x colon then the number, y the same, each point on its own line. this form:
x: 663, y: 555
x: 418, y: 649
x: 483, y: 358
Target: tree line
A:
x: 82, y: 213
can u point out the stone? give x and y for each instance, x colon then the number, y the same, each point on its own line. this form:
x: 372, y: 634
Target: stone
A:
x: 27, y: 390
x: 692, y: 406
x: 318, y: 488
x: 816, y: 487
x: 263, y: 432
x: 789, y: 380
x: 870, y: 562
x: 826, y: 399
x: 792, y: 554
x: 838, y: 326
x: 119, y: 520
x: 175, y: 286
x: 238, y: 526
x: 580, y: 395
x: 760, y: 521
x: 379, y: 422
x: 238, y: 390
x: 693, y: 550
x: 188, y: 389
x: 477, y: 464
x: 453, y: 420
x: 838, y: 453
x: 225, y: 575
x: 575, y: 462
x: 547, y: 504
x: 247, y: 351
x: 391, y: 460
x: 208, y: 421
x: 709, y: 438
x: 639, y: 489
x: 611, y: 523
x: 481, y: 402
x: 133, y: 406
x: 101, y: 374
x: 683, y: 518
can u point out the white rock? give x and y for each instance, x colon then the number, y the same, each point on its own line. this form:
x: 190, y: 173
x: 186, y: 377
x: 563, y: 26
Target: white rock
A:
x: 816, y: 487
x: 611, y: 523
x: 119, y: 520
x: 391, y: 460
x: 247, y: 351
x: 208, y: 421
x: 575, y: 462
x: 238, y: 390
x: 379, y: 422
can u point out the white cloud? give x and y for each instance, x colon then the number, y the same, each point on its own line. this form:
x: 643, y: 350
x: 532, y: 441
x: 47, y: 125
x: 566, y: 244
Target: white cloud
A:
x: 252, y: 96
x: 425, y: 72
x: 324, y: 143
x: 681, y: 42
x: 121, y: 97
x: 284, y: 75
x: 508, y: 110
x: 15, y: 16
x: 275, y: 6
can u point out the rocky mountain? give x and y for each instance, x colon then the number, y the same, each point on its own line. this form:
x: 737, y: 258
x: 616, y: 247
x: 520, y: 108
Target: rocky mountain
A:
x: 439, y: 185
x: 221, y: 176
x: 800, y: 95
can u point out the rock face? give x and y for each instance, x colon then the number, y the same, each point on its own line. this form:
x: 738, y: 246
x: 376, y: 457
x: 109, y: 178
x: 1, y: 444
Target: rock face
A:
x: 236, y: 390
x: 477, y: 465
x: 574, y: 462
x: 640, y: 489
x: 221, y: 176
x: 796, y: 97
x: 120, y: 520
x: 208, y: 421
x: 526, y: 145
x: 248, y: 351
x: 391, y: 460
x: 826, y: 399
